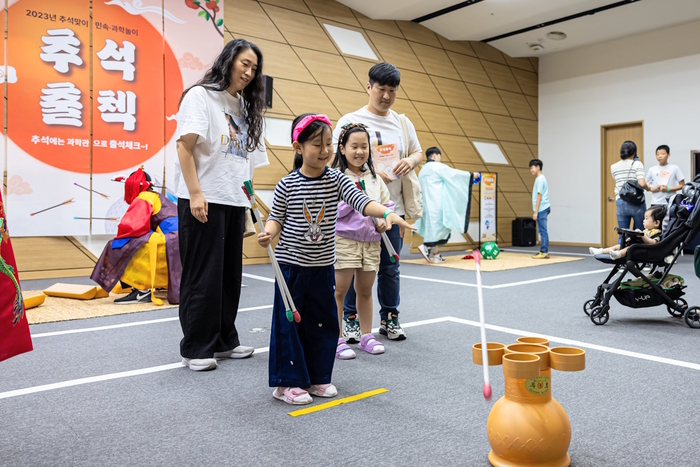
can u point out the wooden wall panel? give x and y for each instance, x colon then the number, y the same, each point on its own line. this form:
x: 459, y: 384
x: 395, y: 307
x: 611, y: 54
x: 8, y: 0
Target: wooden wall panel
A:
x: 527, y: 81
x: 257, y: 23
x: 459, y: 150
x: 280, y: 61
x: 296, y: 5
x: 534, y: 150
x: 487, y: 52
x: 488, y: 99
x: 518, y: 154
x: 434, y: 60
x: 508, y: 179
x: 438, y: 118
x: 385, y: 27
x: 454, y: 92
x: 403, y: 106
x: 473, y: 123
x: 501, y: 76
x: 534, y: 104
x: 417, y: 33
x: 334, y: 11
x: 328, y: 69
x: 346, y: 101
x: 521, y: 204
x: 361, y: 69
x: 517, y: 105
x: 522, y: 63
x: 396, y: 51
x: 504, y: 127
x: 303, y: 97
x: 461, y: 47
x: 419, y: 87
x: 299, y: 29
x: 528, y: 128
x: 469, y: 69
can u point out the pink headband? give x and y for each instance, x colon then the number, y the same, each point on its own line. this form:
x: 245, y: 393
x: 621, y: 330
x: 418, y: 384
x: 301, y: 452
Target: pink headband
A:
x: 306, y: 121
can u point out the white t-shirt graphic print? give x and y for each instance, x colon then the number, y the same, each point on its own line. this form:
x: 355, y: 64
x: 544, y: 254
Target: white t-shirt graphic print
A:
x: 220, y: 155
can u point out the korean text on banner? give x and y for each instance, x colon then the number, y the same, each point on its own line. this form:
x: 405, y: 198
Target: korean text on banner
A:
x: 487, y: 206
x: 48, y: 116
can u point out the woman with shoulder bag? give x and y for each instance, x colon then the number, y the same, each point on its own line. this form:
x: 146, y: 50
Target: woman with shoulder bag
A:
x: 629, y: 187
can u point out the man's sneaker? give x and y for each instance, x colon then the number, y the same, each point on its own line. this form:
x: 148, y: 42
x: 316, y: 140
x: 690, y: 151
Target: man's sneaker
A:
x: 541, y: 255
x: 351, y: 330
x: 438, y: 259
x: 136, y: 296
x: 425, y: 251
x: 199, y: 364
x: 392, y: 329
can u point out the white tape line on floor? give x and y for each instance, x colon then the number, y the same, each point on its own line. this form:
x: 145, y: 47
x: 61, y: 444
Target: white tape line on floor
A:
x: 126, y: 325
x: 155, y: 369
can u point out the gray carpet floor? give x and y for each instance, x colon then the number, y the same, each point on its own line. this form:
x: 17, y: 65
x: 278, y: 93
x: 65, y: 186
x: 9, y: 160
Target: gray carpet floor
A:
x: 624, y: 411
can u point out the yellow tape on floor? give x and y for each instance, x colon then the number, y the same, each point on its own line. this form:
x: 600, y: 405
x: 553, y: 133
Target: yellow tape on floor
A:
x: 337, y: 402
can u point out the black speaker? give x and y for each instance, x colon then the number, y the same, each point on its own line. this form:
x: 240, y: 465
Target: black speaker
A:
x: 524, y: 231
x: 267, y: 83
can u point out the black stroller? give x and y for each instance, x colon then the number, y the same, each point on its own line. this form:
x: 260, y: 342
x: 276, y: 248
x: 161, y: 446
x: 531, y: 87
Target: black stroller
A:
x: 658, y: 286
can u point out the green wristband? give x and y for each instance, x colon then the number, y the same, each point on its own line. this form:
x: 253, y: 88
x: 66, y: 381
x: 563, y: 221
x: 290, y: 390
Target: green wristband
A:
x: 387, y: 212
x: 668, y: 189
x: 414, y: 160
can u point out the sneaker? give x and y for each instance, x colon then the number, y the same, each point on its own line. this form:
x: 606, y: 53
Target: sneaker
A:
x: 438, y: 259
x: 136, y: 296
x: 239, y: 352
x: 293, y: 396
x: 541, y: 255
x: 199, y: 364
x: 323, y: 390
x: 351, y: 330
x: 392, y: 329
x: 595, y: 251
x: 425, y: 251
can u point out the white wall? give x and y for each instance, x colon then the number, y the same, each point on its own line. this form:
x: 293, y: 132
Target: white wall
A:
x: 654, y: 77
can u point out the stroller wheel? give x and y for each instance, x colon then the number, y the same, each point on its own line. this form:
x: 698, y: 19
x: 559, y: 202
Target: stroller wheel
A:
x: 588, y: 306
x: 674, y: 312
x: 692, y: 317
x: 600, y: 315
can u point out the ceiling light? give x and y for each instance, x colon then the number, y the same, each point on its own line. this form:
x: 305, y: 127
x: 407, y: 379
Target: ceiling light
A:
x: 537, y: 48
x: 556, y: 35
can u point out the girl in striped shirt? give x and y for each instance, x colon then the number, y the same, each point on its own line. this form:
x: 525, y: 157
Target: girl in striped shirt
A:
x: 304, y: 211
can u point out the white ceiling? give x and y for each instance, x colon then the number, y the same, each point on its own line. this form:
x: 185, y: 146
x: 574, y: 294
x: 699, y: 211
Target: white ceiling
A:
x: 491, y: 18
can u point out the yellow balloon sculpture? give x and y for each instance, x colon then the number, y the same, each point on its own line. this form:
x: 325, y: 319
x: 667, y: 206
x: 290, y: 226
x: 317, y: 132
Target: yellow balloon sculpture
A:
x: 527, y: 426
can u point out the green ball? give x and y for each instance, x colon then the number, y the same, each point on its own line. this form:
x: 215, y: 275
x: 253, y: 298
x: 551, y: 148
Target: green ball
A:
x: 489, y: 250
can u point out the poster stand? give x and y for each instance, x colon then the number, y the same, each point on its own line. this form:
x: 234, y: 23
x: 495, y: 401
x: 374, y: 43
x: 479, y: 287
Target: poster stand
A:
x: 488, y: 209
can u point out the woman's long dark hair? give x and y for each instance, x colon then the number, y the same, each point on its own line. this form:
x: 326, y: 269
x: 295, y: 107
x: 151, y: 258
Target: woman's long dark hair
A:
x: 310, y: 132
x: 341, y: 161
x: 218, y: 78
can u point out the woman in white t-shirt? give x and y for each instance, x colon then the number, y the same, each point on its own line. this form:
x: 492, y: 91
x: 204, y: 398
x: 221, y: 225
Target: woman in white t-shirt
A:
x: 220, y: 142
x: 628, y: 169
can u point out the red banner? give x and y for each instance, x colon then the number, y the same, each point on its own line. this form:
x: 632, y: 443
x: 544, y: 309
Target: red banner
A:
x: 14, y: 328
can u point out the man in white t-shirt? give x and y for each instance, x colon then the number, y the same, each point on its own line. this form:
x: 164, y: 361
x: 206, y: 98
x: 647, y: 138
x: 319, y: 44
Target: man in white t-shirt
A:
x: 664, y: 179
x: 388, y: 146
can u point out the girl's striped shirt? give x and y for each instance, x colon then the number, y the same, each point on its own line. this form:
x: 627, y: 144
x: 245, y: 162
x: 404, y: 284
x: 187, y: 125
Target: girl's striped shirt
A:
x: 307, y: 209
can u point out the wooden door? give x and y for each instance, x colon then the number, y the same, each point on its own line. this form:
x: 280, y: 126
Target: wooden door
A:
x: 612, y: 137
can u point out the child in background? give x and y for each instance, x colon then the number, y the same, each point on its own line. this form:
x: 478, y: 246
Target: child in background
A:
x: 665, y: 178
x: 540, y: 206
x: 358, y: 241
x: 304, y: 210
x: 653, y: 217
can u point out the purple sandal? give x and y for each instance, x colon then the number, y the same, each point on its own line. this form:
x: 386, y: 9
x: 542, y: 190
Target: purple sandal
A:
x: 343, y: 351
x: 371, y: 345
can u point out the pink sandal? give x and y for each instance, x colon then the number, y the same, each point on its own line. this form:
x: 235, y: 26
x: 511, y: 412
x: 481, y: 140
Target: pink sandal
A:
x: 371, y: 345
x: 294, y: 396
x: 343, y: 351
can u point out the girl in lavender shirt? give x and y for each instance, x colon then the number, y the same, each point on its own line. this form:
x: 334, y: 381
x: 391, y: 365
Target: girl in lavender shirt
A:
x: 357, y: 242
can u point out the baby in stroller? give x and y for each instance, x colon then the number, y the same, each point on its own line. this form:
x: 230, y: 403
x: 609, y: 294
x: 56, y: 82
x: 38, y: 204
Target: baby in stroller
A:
x: 653, y: 218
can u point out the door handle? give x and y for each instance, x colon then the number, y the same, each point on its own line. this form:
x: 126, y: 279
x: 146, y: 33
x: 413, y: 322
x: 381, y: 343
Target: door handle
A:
x: 610, y: 198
